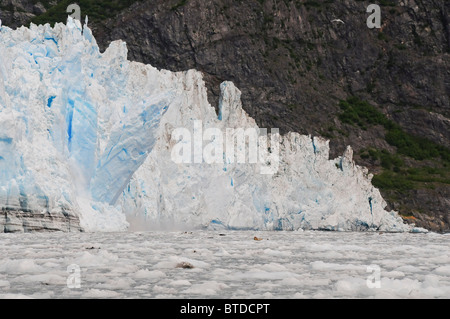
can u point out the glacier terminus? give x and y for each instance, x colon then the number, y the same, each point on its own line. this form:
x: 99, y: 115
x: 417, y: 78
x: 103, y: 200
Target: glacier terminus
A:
x: 86, y: 142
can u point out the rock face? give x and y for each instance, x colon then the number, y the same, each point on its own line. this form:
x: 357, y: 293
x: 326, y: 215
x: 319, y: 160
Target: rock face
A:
x: 20, y: 221
x: 292, y: 62
x: 15, y: 13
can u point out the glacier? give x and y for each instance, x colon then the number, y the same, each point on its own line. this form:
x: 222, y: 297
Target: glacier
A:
x: 86, y: 142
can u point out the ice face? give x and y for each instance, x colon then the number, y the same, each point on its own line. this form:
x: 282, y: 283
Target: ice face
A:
x: 308, y: 190
x: 91, y: 133
x: 75, y: 124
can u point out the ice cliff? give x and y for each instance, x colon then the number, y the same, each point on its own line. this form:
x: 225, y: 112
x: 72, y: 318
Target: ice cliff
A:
x: 86, y: 144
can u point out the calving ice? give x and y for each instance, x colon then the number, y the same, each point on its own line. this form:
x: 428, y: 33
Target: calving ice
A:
x: 86, y: 143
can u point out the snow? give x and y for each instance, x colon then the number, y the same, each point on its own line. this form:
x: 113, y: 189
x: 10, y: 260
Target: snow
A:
x: 91, y: 133
x: 144, y: 265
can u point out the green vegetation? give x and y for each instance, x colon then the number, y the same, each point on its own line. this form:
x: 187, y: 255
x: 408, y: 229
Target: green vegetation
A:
x: 179, y: 5
x: 329, y: 132
x: 388, y: 180
x: 411, y: 178
x: 382, y: 36
x: 400, y: 46
x: 417, y: 163
x: 386, y: 159
x: 361, y: 113
x: 399, y: 176
x: 96, y: 10
x: 415, y: 147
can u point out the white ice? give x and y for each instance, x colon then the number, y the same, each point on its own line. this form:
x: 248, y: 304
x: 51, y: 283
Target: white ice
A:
x: 231, y: 264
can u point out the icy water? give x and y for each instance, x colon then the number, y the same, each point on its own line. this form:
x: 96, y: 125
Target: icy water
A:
x: 225, y: 265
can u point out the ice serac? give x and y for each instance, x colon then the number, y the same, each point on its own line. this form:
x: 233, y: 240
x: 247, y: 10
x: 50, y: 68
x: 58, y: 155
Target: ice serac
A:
x: 306, y: 190
x: 75, y: 124
x: 86, y: 144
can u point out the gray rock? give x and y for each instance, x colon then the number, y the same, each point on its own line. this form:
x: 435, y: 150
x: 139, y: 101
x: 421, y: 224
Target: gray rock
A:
x: 16, y: 221
x: 39, y: 8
